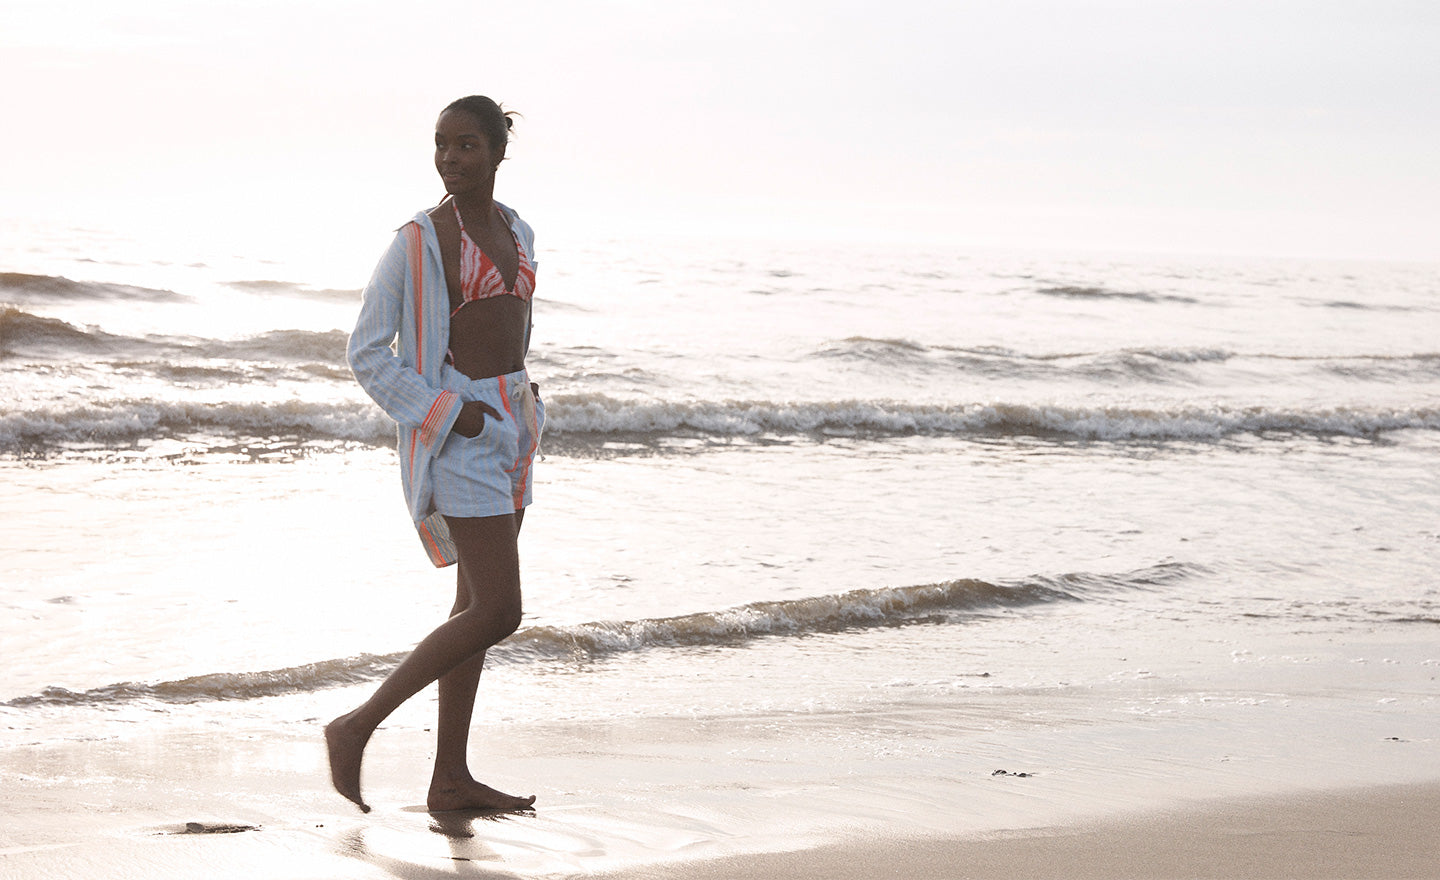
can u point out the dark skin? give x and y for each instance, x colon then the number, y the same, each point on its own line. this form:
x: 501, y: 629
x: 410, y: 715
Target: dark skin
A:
x: 487, y: 338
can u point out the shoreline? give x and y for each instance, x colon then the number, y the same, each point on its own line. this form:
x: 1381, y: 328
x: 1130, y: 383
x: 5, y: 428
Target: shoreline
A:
x: 1294, y: 753
x: 717, y: 798
x: 272, y: 828
x: 1381, y: 832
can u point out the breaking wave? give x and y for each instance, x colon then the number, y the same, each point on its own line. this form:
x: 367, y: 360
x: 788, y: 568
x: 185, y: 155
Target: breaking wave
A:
x: 992, y: 362
x: 19, y: 287
x: 23, y: 334
x: 954, y: 601
x: 123, y: 422
x: 596, y: 418
x: 1152, y: 365
x: 600, y: 414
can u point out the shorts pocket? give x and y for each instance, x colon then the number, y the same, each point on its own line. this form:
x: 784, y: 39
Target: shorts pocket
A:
x: 481, y: 441
x: 490, y: 431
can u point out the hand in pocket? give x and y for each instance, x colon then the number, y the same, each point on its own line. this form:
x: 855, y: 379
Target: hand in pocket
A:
x: 471, y: 421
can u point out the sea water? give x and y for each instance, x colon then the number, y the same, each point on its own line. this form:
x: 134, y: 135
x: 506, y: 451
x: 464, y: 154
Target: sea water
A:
x: 778, y: 480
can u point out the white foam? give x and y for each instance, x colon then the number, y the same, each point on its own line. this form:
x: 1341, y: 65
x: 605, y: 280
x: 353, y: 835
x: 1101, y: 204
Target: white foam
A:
x: 581, y: 415
x: 601, y: 414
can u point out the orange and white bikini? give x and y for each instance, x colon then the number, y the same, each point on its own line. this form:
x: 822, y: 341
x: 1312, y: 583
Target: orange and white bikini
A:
x: 480, y: 278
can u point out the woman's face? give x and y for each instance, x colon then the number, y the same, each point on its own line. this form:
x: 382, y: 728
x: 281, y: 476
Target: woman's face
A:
x: 462, y: 155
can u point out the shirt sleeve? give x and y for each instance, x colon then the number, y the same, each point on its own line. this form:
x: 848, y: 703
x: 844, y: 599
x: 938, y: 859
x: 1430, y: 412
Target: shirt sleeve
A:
x: 399, y: 388
x: 527, y: 241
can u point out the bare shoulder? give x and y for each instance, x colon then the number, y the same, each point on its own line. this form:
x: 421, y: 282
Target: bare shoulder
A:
x: 446, y: 229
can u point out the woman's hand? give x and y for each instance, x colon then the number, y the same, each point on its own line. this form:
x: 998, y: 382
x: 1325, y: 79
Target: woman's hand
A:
x: 471, y: 420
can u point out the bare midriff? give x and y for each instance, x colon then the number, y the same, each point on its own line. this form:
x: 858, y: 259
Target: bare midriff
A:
x: 487, y: 337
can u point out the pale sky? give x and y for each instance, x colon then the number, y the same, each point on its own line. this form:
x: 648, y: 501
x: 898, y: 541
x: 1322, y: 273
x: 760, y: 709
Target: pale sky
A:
x: 1283, y: 128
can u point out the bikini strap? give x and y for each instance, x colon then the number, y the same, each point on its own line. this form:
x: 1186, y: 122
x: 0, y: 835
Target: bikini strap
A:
x: 461, y: 220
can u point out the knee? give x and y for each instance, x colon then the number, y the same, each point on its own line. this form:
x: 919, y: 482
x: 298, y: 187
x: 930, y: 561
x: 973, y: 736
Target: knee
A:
x: 489, y: 625
x: 507, y: 621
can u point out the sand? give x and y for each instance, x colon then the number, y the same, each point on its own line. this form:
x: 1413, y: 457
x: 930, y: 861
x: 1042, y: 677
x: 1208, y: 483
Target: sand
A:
x: 1382, y: 832
x: 246, y: 795
x: 1306, y: 764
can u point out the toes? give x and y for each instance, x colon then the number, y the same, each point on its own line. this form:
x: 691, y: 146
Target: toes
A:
x: 345, y: 756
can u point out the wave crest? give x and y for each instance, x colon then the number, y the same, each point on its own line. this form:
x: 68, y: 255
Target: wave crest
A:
x: 578, y: 420
x: 126, y: 421
x: 948, y: 601
x: 19, y: 287
x: 23, y: 334
x: 601, y: 414
x: 1105, y: 293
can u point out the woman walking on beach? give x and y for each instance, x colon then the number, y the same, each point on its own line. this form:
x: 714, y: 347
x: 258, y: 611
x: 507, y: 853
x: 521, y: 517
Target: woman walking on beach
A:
x: 453, y: 294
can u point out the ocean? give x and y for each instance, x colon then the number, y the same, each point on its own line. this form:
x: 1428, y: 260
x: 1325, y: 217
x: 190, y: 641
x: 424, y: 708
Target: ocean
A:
x: 917, y: 512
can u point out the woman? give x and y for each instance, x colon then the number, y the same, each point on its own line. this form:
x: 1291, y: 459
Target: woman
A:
x: 453, y: 294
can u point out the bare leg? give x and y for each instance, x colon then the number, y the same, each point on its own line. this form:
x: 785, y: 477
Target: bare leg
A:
x: 452, y: 787
x: 491, y: 577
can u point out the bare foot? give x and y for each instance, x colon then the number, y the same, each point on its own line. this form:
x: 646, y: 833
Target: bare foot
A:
x: 467, y: 794
x: 346, y: 749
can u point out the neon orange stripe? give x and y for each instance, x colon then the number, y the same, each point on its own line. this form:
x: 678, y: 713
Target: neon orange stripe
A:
x: 417, y: 281
x: 523, y: 481
x: 505, y: 399
x: 430, y: 543
x: 530, y: 458
x: 433, y: 416
x: 520, y: 486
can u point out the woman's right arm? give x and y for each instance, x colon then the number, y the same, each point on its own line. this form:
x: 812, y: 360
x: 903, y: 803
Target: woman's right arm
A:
x: 398, y: 388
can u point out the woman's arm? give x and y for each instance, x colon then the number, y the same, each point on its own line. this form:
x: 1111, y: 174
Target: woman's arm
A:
x: 397, y: 387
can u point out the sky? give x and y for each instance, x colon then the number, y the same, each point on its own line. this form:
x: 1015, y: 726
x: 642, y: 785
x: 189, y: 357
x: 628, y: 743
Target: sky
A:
x: 1275, y: 128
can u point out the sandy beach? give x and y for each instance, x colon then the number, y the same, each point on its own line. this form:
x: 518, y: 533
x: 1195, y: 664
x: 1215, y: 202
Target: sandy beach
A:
x: 1308, y: 784
x: 264, y: 827
x: 1382, y: 832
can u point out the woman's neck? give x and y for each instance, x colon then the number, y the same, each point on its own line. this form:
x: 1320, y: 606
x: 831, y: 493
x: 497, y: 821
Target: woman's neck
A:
x: 479, y: 201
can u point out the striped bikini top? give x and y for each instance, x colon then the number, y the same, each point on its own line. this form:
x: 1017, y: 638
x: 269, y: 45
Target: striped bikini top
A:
x: 480, y: 278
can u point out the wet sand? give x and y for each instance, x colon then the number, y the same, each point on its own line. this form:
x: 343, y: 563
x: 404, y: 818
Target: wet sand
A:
x: 1309, y: 758
x: 1385, y: 832
x: 1238, y: 796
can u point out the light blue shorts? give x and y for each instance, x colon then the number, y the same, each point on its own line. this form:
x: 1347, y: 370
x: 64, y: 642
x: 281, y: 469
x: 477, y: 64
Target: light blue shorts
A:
x: 489, y: 474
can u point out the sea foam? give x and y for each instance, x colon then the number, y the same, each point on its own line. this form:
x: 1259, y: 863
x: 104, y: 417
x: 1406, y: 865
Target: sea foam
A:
x: 596, y: 418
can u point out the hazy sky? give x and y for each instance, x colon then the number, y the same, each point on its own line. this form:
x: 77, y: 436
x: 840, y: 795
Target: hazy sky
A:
x: 1308, y: 128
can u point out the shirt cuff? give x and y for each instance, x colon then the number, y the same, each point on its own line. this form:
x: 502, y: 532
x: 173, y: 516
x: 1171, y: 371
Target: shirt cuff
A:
x: 440, y: 419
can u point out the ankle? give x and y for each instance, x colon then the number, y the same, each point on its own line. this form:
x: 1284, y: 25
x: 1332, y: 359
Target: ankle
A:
x: 349, y: 726
x: 450, y: 776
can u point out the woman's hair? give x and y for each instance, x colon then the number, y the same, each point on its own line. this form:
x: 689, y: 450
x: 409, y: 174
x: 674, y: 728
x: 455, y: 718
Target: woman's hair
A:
x: 495, y: 121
